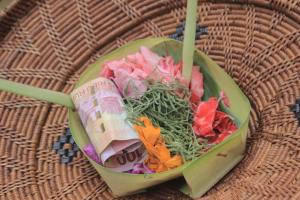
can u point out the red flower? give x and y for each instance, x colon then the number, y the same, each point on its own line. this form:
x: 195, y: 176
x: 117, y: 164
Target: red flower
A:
x: 211, y: 123
x: 204, y: 117
x: 223, y: 126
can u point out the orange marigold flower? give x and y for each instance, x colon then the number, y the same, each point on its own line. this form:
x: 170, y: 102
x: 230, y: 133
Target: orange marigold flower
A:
x: 159, y: 157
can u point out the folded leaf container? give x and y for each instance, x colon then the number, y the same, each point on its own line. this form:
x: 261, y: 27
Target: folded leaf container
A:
x: 199, y: 175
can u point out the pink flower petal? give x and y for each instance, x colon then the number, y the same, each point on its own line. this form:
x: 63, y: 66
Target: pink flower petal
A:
x: 111, y: 67
x: 107, y: 73
x: 139, y: 62
x: 224, y: 98
x: 90, y: 151
x: 140, y: 168
x: 196, y: 86
x: 129, y: 84
x: 150, y: 57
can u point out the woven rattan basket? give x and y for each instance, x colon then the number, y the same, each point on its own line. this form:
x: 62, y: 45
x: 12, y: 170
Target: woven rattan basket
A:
x: 50, y: 43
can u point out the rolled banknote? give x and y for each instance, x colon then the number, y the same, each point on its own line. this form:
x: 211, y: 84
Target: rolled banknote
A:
x: 101, y: 110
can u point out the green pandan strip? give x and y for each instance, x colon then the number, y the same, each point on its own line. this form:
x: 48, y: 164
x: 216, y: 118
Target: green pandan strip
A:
x: 5, y: 3
x: 189, y: 39
x: 37, y: 93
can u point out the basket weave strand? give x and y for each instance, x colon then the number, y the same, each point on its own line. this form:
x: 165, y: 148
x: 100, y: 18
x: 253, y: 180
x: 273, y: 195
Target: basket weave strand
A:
x: 49, y: 44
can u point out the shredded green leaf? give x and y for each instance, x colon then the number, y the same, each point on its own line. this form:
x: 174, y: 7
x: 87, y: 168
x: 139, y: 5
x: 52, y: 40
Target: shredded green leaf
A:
x: 168, y: 108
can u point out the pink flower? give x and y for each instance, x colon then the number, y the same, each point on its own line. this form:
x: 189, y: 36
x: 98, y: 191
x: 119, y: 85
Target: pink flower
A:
x: 130, y: 83
x: 145, y: 60
x: 168, y: 70
x: 150, y: 57
x: 224, y: 98
x: 196, y: 86
x: 128, y: 73
x: 111, y: 67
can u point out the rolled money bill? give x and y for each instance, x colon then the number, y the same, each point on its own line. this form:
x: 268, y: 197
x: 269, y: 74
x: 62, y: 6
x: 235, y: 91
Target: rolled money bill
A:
x: 101, y: 110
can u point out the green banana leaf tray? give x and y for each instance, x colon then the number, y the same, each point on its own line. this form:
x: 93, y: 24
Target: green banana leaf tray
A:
x: 200, y: 174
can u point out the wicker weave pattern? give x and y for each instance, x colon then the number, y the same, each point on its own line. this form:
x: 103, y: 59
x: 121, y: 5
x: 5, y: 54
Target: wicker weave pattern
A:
x: 50, y: 43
